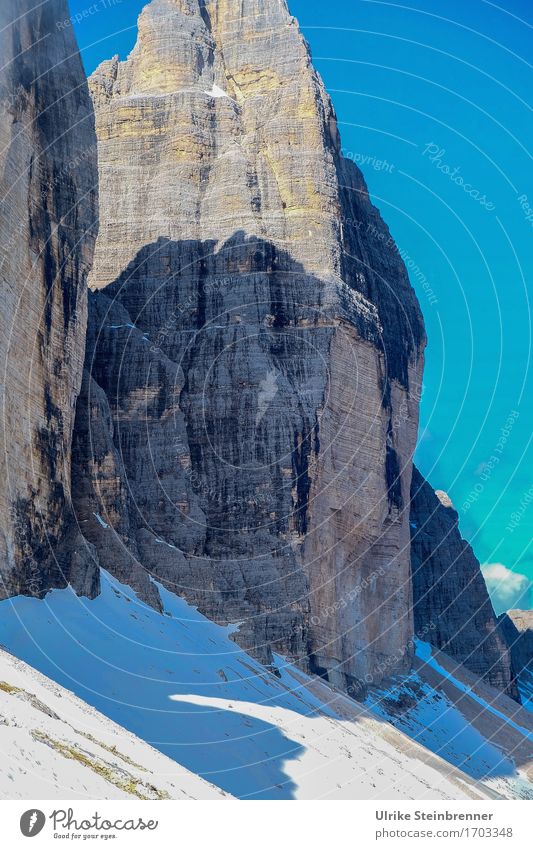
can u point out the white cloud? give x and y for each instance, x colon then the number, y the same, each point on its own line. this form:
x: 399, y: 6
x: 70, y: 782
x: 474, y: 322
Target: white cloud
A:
x: 508, y: 590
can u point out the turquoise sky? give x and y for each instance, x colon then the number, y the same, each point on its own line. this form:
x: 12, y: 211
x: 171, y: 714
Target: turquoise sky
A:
x: 433, y: 100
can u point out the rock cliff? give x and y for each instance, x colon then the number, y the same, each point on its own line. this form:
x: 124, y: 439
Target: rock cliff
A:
x: 517, y: 626
x: 248, y: 408
x: 48, y: 214
x: 255, y: 349
x: 452, y: 608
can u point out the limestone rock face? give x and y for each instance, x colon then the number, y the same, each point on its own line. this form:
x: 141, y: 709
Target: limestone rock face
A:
x: 254, y: 349
x: 517, y: 626
x: 452, y: 608
x: 48, y: 202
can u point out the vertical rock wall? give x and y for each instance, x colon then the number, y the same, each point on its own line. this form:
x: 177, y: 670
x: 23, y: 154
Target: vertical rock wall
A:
x: 254, y: 354
x: 517, y: 627
x: 452, y: 607
x: 48, y: 200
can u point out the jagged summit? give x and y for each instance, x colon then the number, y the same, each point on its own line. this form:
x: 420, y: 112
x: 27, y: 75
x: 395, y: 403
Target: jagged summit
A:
x: 274, y: 343
x: 264, y: 159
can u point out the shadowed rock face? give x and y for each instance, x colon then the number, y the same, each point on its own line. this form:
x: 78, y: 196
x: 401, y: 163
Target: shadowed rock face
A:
x: 48, y: 197
x: 517, y: 626
x: 255, y: 348
x: 452, y: 607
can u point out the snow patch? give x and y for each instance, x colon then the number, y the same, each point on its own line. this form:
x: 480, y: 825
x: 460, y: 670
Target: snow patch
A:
x: 216, y: 91
x: 100, y: 521
x: 119, y: 326
x: 179, y: 682
x: 168, y: 544
x: 424, y: 652
x: 431, y: 718
x: 56, y: 746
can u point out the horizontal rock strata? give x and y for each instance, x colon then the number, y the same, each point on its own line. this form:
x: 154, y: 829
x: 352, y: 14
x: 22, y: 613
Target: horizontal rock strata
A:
x: 255, y: 349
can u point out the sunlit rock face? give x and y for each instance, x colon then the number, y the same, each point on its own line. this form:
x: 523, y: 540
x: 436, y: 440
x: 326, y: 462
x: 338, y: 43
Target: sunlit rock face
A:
x: 254, y: 351
x: 452, y: 608
x: 48, y: 196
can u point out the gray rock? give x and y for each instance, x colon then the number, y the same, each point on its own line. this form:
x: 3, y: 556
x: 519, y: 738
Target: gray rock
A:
x: 261, y: 414
x: 452, y: 608
x: 517, y: 626
x: 48, y: 209
x: 249, y: 405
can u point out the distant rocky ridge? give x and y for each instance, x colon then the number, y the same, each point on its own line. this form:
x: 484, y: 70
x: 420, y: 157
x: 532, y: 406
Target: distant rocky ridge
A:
x: 249, y: 404
x: 517, y: 627
x: 450, y: 597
